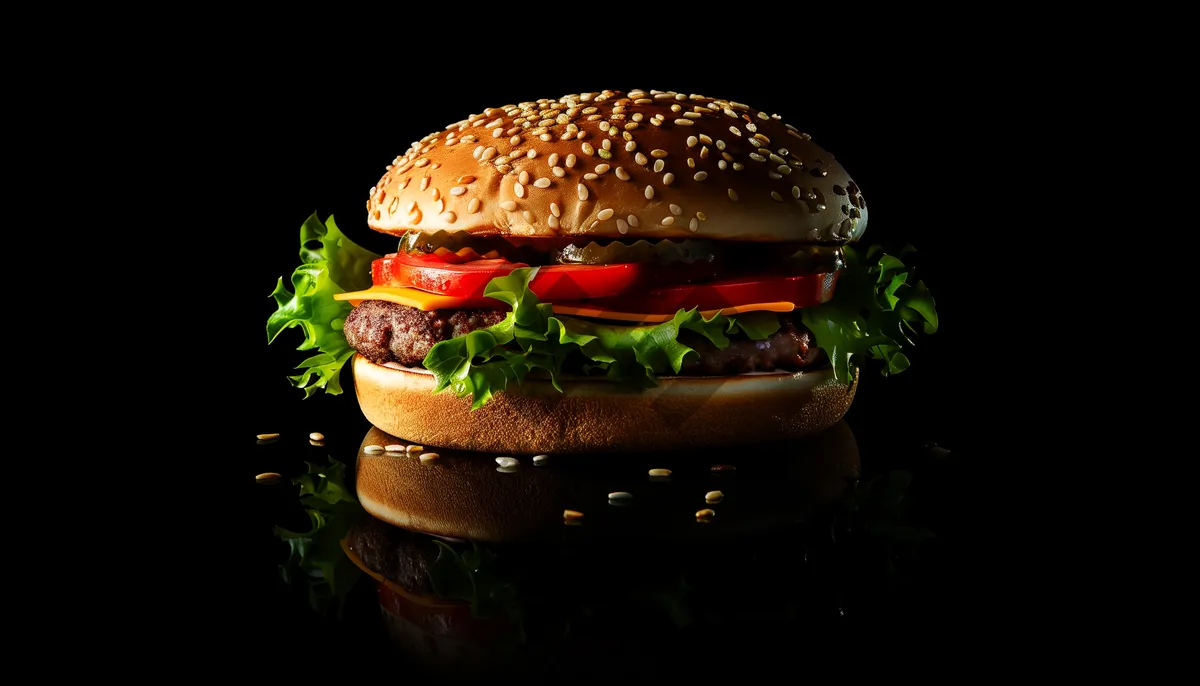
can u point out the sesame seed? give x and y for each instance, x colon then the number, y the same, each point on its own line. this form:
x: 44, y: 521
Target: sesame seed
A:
x: 582, y: 191
x: 425, y: 183
x: 821, y: 207
x: 268, y: 478
x: 473, y: 206
x: 700, y: 175
x: 642, y: 101
x: 796, y: 192
x: 751, y: 127
x: 559, y: 172
x: 488, y: 154
x: 777, y: 159
x: 684, y: 122
x: 588, y: 149
x: 373, y: 449
x: 757, y: 157
x: 572, y: 515
x: 620, y: 495
x: 429, y: 457
x: 691, y: 163
x: 729, y: 113
x: 676, y: 108
x: 604, y: 154
x: 658, y: 165
x: 641, y: 159
x: 706, y: 513
x: 604, y: 125
x: 783, y: 151
x: 691, y: 115
x: 581, y: 135
x: 494, y: 123
x: 267, y: 437
x: 545, y: 137
x: 552, y: 221
x: 604, y: 215
x: 660, y: 472
x: 656, y: 122
x: 514, y: 140
x: 630, y: 146
x: 692, y: 141
x: 412, y: 207
x: 676, y: 209
x: 523, y: 178
x: 606, y: 144
x: 649, y: 192
x: 422, y: 162
x: 543, y: 182
x: 602, y: 168
x: 529, y: 218
x: 519, y: 190
x: 622, y: 174
x: 553, y: 160
x: 694, y: 225
x: 658, y: 152
x: 622, y: 226
x: 721, y: 164
x: 738, y: 166
x: 554, y: 210
x: 316, y: 436
x: 720, y: 144
x: 540, y: 459
x: 792, y: 132
x: 508, y: 205
x: 774, y: 175
x: 449, y: 217
x: 784, y: 169
x: 570, y: 161
x: 590, y: 175
x: 733, y: 195
x: 701, y: 216
x: 668, y: 178
x: 633, y: 221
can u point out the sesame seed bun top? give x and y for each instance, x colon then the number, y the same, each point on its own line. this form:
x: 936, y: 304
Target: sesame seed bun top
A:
x: 644, y: 164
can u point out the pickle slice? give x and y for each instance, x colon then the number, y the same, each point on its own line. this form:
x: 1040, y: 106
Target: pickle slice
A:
x: 663, y: 252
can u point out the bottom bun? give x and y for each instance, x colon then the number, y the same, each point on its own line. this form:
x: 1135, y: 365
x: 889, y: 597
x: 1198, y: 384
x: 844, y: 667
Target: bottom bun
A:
x: 600, y: 416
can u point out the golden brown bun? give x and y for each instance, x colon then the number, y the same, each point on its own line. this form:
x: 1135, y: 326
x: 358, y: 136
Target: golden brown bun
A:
x: 600, y: 416
x: 464, y: 495
x: 778, y: 187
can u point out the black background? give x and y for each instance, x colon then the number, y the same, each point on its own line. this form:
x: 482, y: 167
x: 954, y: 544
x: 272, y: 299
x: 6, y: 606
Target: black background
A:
x: 294, y: 139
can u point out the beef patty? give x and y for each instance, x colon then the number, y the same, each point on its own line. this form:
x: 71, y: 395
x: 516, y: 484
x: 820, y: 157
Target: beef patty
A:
x: 388, y: 332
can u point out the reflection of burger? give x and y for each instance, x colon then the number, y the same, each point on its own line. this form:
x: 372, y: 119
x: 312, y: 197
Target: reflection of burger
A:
x: 605, y: 271
x: 476, y: 571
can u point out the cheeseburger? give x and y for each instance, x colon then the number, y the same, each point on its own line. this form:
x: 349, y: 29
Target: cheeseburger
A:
x: 605, y: 271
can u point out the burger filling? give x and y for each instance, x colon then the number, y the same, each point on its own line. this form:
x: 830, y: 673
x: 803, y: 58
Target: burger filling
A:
x: 483, y: 313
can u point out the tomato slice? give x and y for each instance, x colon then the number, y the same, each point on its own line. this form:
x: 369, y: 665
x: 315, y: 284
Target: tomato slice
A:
x: 802, y: 290
x: 431, y: 274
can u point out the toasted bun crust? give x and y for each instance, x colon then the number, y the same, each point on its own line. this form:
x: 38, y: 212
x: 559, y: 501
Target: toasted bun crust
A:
x: 599, y: 416
x: 677, y: 166
x: 463, y: 496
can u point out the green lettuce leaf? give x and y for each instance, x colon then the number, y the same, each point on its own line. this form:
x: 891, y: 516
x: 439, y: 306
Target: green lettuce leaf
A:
x: 486, y: 361
x: 875, y: 311
x: 331, y: 264
x: 316, y: 558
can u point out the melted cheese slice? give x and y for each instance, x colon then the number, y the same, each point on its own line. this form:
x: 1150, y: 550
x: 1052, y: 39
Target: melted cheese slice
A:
x: 411, y: 297
x: 654, y: 318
